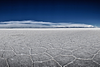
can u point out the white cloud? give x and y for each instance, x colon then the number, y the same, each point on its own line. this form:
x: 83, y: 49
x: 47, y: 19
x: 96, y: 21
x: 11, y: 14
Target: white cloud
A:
x: 40, y: 24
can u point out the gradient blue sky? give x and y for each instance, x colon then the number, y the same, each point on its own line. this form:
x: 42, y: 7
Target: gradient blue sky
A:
x: 74, y: 11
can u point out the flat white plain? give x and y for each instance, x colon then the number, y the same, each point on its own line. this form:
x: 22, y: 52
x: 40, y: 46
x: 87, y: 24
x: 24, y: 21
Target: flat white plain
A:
x: 50, y: 47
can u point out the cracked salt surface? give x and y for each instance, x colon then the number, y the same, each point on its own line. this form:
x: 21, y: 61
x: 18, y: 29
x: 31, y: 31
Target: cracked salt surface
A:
x: 50, y: 47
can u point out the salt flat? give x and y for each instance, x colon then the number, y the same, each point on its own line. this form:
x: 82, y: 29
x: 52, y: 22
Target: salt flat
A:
x: 62, y: 47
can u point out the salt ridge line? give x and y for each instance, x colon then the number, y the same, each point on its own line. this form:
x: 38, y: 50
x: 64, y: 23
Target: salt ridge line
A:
x: 52, y: 29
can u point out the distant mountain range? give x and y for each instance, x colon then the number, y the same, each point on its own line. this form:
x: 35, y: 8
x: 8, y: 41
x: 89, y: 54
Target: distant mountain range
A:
x: 47, y: 27
x: 41, y: 24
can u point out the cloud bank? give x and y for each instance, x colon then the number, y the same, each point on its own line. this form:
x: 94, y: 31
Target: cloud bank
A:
x: 40, y: 24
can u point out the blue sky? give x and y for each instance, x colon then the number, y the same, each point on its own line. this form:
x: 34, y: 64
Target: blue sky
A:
x: 54, y: 11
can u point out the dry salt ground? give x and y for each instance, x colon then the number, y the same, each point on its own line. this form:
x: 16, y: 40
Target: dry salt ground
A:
x: 63, y: 47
